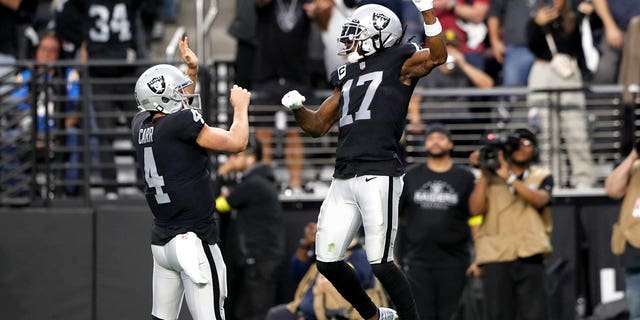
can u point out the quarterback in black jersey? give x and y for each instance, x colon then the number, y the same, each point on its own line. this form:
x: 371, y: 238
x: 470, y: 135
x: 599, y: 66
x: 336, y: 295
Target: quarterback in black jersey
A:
x: 369, y: 103
x: 171, y: 140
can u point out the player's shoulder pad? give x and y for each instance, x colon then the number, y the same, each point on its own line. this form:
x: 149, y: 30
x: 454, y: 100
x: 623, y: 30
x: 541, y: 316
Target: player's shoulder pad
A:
x: 138, y: 118
x: 416, y: 46
x: 410, y: 48
x: 338, y: 75
x: 190, y: 117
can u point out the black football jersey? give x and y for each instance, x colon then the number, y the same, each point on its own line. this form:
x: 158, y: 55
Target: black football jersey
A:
x: 176, y: 174
x: 373, y: 111
x: 109, y: 29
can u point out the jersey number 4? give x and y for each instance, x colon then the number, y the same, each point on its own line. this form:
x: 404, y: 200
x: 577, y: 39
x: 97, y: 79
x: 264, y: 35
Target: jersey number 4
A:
x: 154, y: 180
x: 362, y: 112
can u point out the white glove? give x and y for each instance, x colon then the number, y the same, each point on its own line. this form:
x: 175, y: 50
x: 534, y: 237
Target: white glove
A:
x: 423, y: 5
x: 293, y: 99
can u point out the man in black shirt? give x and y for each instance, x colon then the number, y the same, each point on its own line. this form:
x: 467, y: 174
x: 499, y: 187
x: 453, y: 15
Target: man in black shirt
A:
x: 171, y: 141
x: 369, y: 103
x: 109, y: 33
x: 434, y: 235
x: 256, y: 233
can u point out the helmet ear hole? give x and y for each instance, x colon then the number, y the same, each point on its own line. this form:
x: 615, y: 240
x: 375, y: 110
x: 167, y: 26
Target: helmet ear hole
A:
x: 165, y: 99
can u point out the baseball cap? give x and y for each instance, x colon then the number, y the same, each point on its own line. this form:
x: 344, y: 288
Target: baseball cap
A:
x: 527, y: 134
x: 440, y: 128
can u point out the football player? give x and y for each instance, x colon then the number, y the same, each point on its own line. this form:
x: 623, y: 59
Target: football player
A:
x: 171, y: 140
x: 369, y: 103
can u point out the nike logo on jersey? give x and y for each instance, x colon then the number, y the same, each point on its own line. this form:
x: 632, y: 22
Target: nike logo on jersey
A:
x: 369, y: 179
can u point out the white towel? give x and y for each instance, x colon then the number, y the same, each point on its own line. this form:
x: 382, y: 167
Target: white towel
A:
x: 591, y: 55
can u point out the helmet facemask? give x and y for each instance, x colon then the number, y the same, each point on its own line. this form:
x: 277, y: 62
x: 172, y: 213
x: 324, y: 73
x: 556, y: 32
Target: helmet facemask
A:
x: 363, y: 38
x: 152, y: 95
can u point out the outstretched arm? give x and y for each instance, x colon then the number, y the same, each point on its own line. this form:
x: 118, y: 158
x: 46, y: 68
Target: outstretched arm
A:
x: 236, y: 138
x: 316, y: 123
x: 423, y: 61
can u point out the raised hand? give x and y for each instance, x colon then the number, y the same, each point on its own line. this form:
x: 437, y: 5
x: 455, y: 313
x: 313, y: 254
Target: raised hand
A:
x: 188, y: 56
x: 239, y: 97
x: 423, y: 5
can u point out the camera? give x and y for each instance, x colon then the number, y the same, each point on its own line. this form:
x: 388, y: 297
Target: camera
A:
x: 494, y: 142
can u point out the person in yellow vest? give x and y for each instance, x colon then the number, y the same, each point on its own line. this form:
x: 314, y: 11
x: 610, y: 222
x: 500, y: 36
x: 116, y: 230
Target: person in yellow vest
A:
x: 624, y: 181
x: 513, y: 239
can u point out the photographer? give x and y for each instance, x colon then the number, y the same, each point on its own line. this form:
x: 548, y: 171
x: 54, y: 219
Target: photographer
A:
x: 624, y: 181
x: 514, y: 236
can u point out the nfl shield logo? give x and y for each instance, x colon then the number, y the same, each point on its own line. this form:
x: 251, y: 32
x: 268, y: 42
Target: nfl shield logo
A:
x: 380, y: 21
x: 362, y: 65
x: 157, y: 85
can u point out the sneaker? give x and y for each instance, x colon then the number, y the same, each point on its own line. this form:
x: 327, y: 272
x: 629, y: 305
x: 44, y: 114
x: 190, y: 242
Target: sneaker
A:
x: 387, y: 314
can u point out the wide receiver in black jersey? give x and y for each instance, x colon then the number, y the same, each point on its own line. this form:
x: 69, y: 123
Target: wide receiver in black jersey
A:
x: 171, y: 140
x: 369, y: 102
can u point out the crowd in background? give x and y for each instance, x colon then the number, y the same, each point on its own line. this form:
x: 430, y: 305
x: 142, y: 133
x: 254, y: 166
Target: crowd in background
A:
x: 542, y: 44
x: 287, y: 44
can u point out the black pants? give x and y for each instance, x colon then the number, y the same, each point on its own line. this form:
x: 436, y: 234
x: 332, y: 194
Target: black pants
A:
x: 515, y: 290
x: 252, y: 290
x: 436, y: 291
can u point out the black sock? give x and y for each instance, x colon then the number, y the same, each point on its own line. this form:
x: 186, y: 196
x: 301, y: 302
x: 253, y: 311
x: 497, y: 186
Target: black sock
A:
x: 397, y: 286
x: 346, y: 282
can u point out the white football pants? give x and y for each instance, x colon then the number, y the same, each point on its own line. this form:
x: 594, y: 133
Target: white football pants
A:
x: 187, y: 266
x: 371, y: 201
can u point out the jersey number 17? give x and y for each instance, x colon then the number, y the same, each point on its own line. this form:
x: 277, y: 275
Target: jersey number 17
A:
x: 362, y: 112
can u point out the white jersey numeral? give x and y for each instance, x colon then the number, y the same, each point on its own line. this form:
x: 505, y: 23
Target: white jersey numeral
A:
x: 119, y: 23
x: 197, y: 117
x: 154, y: 180
x: 362, y: 112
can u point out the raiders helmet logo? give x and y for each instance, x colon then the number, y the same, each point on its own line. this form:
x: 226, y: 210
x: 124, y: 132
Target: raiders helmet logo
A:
x: 380, y: 21
x: 157, y: 85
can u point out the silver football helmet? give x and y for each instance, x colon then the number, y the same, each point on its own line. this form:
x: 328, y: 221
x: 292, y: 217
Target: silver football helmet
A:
x: 370, y: 28
x: 161, y: 88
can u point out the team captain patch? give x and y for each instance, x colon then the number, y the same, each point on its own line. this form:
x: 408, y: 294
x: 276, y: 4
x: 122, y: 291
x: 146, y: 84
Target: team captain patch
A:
x: 157, y: 85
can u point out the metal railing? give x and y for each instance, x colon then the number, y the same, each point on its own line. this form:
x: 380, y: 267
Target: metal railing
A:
x: 54, y: 158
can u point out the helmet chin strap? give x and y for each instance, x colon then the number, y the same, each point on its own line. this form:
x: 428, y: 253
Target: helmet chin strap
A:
x: 353, y: 57
x: 158, y: 107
